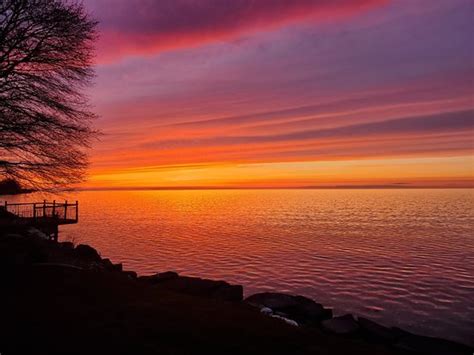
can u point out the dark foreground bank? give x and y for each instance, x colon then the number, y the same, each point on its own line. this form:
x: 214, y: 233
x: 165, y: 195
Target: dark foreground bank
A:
x: 60, y: 299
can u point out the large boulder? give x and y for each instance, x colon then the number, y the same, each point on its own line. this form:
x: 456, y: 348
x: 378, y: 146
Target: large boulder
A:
x: 273, y: 300
x: 195, y: 286
x: 84, y: 251
x: 343, y: 325
x: 107, y: 265
x: 66, y: 245
x: 233, y: 293
x: 159, y: 277
x: 117, y: 267
x: 299, y: 308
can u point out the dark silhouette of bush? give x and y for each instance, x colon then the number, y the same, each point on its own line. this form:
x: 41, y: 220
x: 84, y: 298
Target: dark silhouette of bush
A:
x: 10, y: 187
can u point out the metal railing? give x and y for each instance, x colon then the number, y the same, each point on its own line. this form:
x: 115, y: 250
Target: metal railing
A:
x: 45, y: 210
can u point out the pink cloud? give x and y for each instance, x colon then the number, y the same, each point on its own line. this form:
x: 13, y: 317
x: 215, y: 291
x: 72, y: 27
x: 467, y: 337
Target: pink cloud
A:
x: 145, y: 27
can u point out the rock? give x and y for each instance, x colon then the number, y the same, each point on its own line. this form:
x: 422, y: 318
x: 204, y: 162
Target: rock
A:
x: 434, y: 346
x: 281, y: 314
x: 14, y: 236
x: 66, y: 245
x: 107, y: 265
x: 130, y: 274
x: 194, y: 286
x: 117, y: 267
x: 197, y: 287
x: 343, y: 325
x: 57, y: 266
x: 272, y: 300
x: 167, y: 275
x: 267, y: 311
x: 160, y: 277
x: 286, y: 320
x: 232, y: 293
x: 33, y: 232
x: 301, y: 309
x: 87, y: 252
x: 377, y: 332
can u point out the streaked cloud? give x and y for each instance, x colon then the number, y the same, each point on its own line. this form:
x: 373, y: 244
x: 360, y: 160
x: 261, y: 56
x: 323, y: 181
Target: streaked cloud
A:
x: 236, y: 89
x: 424, y: 125
x: 143, y: 27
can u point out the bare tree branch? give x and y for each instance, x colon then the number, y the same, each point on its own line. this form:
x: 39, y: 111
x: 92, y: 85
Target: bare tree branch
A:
x: 46, y: 53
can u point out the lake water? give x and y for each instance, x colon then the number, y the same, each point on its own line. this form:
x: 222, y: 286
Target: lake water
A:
x: 401, y: 257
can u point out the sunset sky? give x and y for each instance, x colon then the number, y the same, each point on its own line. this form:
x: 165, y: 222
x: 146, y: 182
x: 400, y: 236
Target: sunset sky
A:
x: 284, y: 93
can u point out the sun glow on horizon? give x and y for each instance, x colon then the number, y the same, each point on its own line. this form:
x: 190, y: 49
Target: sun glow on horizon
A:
x: 284, y: 97
x: 448, y: 172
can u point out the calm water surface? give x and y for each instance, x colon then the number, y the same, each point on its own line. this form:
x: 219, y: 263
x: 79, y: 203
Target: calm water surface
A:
x: 401, y: 257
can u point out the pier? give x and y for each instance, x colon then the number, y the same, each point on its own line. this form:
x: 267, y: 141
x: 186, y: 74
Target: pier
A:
x: 45, y: 216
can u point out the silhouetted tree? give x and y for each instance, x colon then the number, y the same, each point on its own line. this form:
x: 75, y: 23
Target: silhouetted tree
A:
x: 46, y: 52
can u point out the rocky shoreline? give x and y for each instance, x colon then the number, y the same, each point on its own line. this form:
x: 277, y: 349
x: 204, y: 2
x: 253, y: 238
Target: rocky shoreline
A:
x: 208, y: 315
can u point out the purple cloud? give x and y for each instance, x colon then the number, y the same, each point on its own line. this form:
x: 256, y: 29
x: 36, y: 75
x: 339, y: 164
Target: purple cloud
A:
x: 148, y: 26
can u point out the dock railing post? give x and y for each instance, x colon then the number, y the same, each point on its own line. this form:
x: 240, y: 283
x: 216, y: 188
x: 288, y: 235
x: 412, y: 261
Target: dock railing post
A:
x: 34, y: 210
x: 65, y: 209
x: 44, y: 208
x: 77, y: 211
x: 54, y: 209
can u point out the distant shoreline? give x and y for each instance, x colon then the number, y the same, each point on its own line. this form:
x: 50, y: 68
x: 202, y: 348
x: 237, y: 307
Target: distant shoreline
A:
x: 15, y: 193
x: 365, y: 187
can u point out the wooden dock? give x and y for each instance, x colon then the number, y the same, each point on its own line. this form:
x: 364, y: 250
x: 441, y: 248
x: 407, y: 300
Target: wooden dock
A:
x: 45, y: 216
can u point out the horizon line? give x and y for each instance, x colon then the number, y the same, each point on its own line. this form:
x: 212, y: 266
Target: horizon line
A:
x: 333, y: 187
